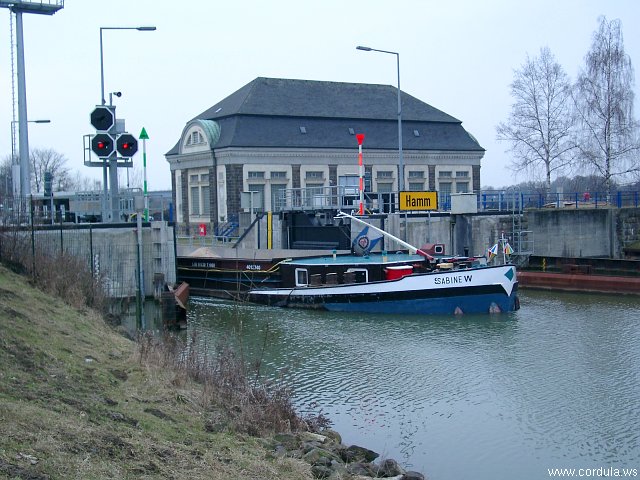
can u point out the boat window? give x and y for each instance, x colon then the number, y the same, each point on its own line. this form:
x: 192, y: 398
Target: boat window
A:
x: 361, y: 274
x: 302, y: 277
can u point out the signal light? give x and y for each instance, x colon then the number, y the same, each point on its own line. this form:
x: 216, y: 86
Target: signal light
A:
x: 103, y: 118
x: 127, y: 145
x: 102, y: 145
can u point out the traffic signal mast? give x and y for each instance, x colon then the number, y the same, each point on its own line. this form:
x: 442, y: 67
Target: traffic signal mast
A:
x: 109, y: 141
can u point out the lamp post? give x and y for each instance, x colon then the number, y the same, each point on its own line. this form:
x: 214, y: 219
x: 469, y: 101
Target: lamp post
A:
x: 400, y: 158
x: 142, y: 29
x: 113, y: 167
x: 15, y: 161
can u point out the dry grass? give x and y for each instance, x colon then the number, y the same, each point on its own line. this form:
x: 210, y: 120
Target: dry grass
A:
x: 236, y: 396
x: 77, y: 400
x: 61, y: 274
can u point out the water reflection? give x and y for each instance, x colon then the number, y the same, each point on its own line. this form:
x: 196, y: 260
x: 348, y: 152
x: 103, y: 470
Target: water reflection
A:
x: 553, y: 384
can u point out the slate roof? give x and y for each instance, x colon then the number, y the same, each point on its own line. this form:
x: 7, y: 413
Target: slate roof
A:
x: 268, y: 112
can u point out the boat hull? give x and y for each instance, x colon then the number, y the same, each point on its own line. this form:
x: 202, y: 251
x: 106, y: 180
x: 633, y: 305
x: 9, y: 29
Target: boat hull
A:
x: 481, y: 290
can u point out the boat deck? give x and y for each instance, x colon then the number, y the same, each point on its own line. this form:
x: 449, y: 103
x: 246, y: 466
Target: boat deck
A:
x: 391, y: 258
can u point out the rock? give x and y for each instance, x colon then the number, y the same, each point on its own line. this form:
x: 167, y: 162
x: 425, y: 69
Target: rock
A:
x: 390, y: 468
x: 332, y: 435
x: 413, y: 476
x: 287, y: 440
x: 306, y: 447
x: 313, y: 457
x: 354, y: 453
x: 364, y: 469
x: 326, y: 461
x: 320, y: 471
x: 313, y: 437
x: 280, y: 451
x: 339, y: 471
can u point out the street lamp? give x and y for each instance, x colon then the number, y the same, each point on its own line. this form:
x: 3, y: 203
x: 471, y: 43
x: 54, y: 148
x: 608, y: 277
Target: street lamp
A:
x: 400, y: 158
x: 15, y: 161
x: 113, y: 167
x: 142, y: 29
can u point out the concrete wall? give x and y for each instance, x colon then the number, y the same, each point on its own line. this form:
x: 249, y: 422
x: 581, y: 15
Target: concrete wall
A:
x: 555, y: 232
x: 113, y: 254
x: 573, y: 233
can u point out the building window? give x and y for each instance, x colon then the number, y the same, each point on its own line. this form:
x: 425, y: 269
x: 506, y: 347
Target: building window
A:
x: 464, y: 174
x: 315, y: 175
x: 278, y: 196
x: 445, y: 188
x: 350, y: 184
x: 462, y: 187
x: 206, y: 200
x: 195, y: 138
x: 444, y: 194
x: 416, y: 186
x: 385, y: 174
x: 200, y: 201
x: 445, y: 173
x: 315, y: 195
x: 195, y: 200
x: 254, y: 174
x: 416, y: 174
x: 258, y: 199
x: 278, y: 175
x: 384, y: 187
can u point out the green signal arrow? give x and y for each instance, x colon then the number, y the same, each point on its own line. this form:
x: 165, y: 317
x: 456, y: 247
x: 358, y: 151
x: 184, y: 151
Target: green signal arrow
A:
x: 143, y: 134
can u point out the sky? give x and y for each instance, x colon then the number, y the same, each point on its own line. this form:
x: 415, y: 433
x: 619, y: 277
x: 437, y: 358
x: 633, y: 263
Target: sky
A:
x: 458, y: 56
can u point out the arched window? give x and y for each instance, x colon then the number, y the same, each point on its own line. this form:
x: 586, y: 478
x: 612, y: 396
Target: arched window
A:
x: 195, y: 138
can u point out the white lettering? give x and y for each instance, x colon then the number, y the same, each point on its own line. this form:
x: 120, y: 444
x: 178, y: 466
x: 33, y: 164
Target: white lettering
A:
x: 204, y: 264
x: 453, y: 280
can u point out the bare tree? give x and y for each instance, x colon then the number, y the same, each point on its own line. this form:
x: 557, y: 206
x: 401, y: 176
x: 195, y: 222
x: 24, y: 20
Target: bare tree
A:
x: 540, y: 122
x: 81, y: 183
x: 608, y: 136
x: 48, y: 160
x: 6, y: 177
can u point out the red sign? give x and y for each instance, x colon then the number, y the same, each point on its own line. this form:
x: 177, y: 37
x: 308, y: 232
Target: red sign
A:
x: 202, y: 229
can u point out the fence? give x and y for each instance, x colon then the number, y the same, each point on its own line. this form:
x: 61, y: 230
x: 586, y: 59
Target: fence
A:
x: 109, y: 251
x: 347, y: 198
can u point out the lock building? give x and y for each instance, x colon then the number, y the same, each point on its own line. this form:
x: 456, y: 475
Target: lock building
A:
x: 285, y: 144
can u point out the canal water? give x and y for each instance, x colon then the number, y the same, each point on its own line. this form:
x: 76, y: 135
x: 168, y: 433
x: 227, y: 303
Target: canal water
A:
x: 554, y: 385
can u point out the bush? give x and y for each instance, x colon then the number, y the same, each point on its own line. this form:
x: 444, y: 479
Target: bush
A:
x: 251, y: 406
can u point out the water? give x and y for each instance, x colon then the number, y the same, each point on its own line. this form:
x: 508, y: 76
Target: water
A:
x: 555, y: 384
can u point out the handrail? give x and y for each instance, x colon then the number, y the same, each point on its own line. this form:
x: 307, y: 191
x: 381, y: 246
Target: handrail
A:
x: 248, y: 229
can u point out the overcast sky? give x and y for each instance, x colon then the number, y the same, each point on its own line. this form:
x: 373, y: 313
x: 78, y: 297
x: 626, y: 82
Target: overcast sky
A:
x: 458, y: 56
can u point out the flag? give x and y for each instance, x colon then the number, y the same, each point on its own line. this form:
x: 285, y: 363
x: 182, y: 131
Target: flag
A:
x: 507, y: 249
x: 364, y: 242
x: 492, y: 252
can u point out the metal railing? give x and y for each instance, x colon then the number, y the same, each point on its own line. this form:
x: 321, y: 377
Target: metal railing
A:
x: 347, y: 198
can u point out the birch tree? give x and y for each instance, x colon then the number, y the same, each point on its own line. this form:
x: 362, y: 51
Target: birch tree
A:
x: 539, y: 128
x: 608, y: 137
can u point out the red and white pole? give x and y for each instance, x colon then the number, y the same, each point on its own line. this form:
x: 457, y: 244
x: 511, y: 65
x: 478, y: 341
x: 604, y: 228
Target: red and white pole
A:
x: 360, y: 138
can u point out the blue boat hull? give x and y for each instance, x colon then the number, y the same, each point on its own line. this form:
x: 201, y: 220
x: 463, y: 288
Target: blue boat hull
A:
x: 480, y: 290
x: 482, y: 303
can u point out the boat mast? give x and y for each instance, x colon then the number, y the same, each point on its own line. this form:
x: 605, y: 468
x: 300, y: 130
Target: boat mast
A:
x: 411, y: 248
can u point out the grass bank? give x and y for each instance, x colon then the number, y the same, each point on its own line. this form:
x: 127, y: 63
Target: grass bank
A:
x: 78, y: 400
